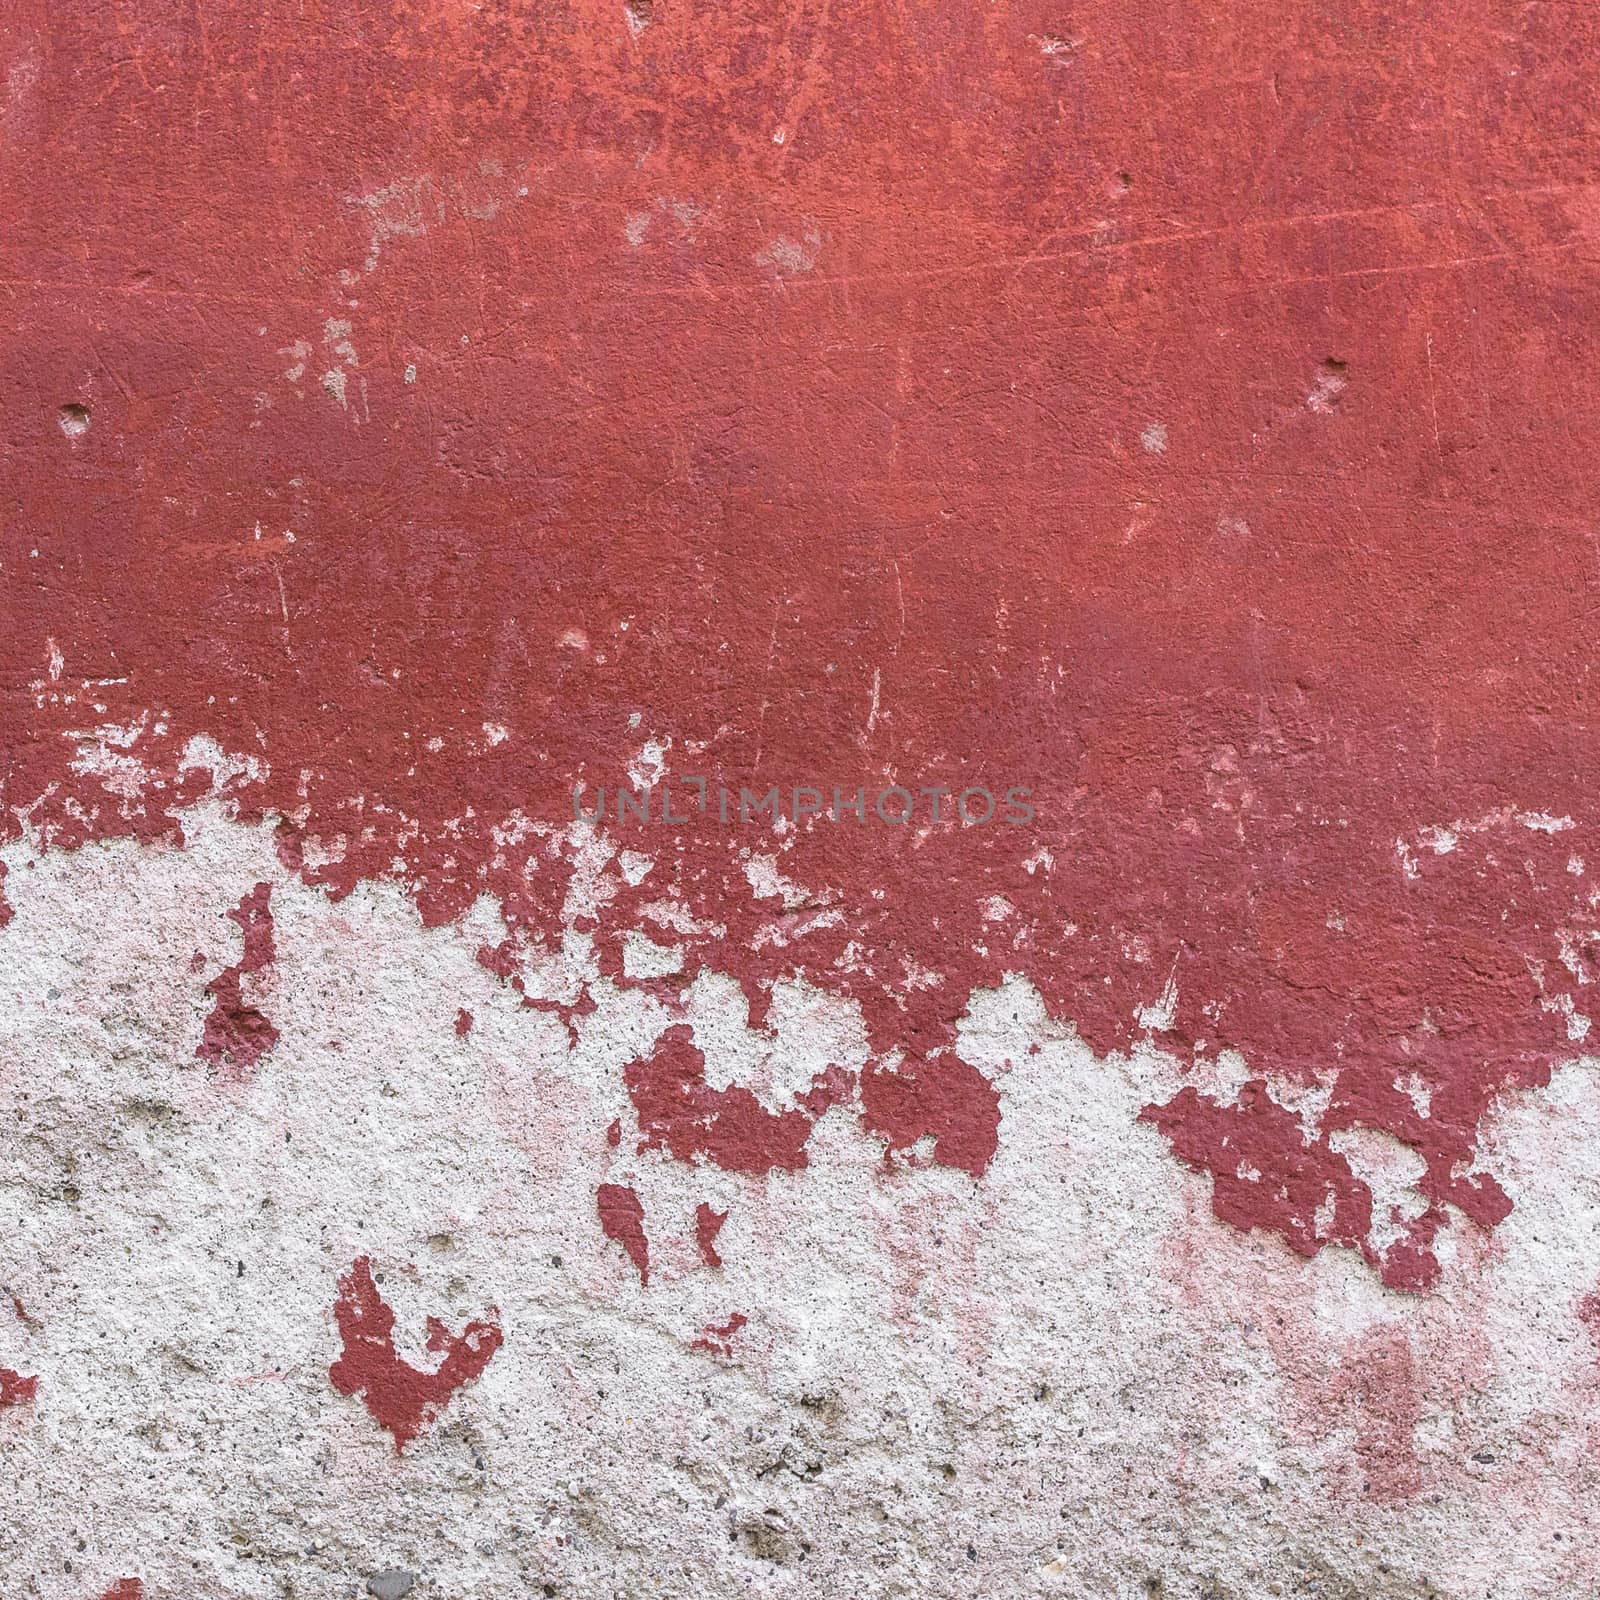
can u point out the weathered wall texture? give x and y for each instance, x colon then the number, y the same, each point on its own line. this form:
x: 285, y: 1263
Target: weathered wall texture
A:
x: 1184, y: 1182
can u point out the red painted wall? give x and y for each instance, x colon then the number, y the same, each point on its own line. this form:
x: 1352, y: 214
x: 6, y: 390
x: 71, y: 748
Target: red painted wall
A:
x: 1184, y: 415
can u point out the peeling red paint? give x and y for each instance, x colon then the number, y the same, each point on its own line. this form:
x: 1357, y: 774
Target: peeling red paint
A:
x: 16, y: 1390
x: 1268, y: 1174
x: 833, y: 1086
x: 125, y: 1589
x: 939, y: 1097
x: 707, y: 1225
x: 622, y: 1220
x: 501, y: 959
x: 6, y: 911
x: 1265, y: 1173
x: 463, y: 1023
x: 680, y: 1113
x: 238, y: 1033
x: 400, y: 1398
x: 719, y: 1339
x: 505, y: 961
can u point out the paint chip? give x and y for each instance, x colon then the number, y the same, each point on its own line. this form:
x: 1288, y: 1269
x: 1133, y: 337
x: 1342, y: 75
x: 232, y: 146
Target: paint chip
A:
x: 1329, y: 386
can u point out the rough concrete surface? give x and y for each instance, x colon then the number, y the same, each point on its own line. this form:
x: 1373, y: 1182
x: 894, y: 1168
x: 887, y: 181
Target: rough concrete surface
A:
x: 799, y: 801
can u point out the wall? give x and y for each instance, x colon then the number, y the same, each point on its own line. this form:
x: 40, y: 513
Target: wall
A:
x: 426, y: 1174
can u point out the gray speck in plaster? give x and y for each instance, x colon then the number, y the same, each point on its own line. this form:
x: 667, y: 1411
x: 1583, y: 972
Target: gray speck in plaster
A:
x: 333, y: 380
x: 411, y: 373
x: 1154, y: 438
x: 1058, y: 51
x: 391, y: 1584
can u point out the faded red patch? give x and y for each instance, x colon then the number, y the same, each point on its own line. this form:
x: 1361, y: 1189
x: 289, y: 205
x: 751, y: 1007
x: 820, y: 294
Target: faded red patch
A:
x: 15, y: 1389
x: 1375, y: 1389
x: 622, y: 1220
x: 400, y: 1398
x: 939, y: 1097
x: 679, y: 1112
x: 719, y: 1339
x: 707, y: 1225
x: 1588, y: 1309
x: 236, y: 1031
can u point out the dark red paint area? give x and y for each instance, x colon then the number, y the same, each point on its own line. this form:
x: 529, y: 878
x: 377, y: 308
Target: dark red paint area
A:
x: 943, y: 1100
x: 939, y: 1098
x: 237, y: 1034
x: 622, y: 1220
x: 1265, y: 1173
x: 15, y: 1389
x: 1185, y: 422
x: 680, y: 1113
x: 708, y: 1224
x: 400, y: 1398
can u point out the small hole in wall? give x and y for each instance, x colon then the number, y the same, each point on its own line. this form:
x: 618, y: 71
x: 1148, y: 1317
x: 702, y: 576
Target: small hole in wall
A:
x: 1334, y: 365
x: 74, y: 419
